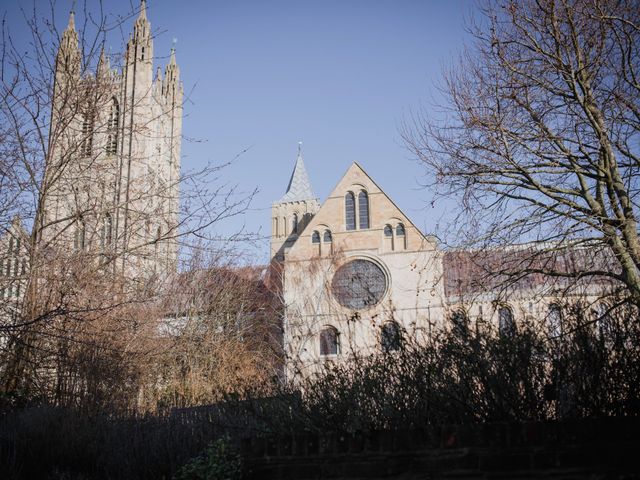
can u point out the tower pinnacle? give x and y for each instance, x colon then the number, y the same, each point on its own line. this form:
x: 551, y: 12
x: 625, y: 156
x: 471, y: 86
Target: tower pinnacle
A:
x: 71, y: 26
x: 143, y: 10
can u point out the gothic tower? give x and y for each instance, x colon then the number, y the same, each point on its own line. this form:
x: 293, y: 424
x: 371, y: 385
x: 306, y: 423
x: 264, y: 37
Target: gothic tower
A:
x: 291, y: 214
x: 110, y: 188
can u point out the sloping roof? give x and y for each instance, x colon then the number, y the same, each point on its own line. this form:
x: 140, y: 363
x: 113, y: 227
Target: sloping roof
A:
x: 469, y: 272
x: 299, y: 187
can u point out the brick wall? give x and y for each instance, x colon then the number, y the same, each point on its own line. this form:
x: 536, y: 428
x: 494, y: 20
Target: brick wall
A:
x: 601, y: 448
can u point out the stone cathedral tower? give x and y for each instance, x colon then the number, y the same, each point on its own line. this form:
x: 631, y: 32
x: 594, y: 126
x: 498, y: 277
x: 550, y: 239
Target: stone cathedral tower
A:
x: 111, y: 180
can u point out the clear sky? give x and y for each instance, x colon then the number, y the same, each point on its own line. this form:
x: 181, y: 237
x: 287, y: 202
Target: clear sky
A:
x: 338, y: 75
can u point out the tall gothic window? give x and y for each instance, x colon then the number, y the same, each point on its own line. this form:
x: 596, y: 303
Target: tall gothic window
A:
x: 112, y: 127
x: 80, y: 235
x: 390, y: 337
x: 294, y: 223
x: 363, y: 209
x: 506, y: 323
x: 86, y: 147
x: 554, y: 320
x: 107, y: 230
x: 329, y: 341
x: 460, y: 323
x: 350, y: 211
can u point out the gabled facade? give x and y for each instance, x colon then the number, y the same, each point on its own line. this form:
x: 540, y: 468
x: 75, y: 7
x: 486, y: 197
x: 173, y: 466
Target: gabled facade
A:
x: 360, y: 278
x: 358, y: 268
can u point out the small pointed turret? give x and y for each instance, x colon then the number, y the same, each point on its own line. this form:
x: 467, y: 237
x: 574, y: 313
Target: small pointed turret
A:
x: 143, y: 10
x: 140, y: 44
x: 68, y: 58
x: 104, y: 66
x: 299, y: 187
x: 293, y: 212
x: 172, y: 75
x: 71, y: 26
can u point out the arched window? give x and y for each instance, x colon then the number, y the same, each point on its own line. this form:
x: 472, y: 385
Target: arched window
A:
x: 329, y: 341
x: 554, y: 320
x: 506, y: 323
x: 294, y: 223
x: 350, y: 211
x: 400, y: 230
x: 315, y: 237
x: 388, y: 231
x: 326, y: 238
x: 80, y: 235
x: 156, y: 244
x: 112, y: 127
x: 603, y: 320
x: 460, y: 323
x: 10, y: 245
x: 363, y: 209
x: 86, y: 147
x: 390, y: 337
x: 107, y: 230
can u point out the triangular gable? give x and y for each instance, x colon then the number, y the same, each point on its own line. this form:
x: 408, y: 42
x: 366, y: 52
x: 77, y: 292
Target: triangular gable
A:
x: 331, y: 212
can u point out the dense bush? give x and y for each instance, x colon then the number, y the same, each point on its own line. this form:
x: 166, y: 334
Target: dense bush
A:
x: 592, y: 370
x: 218, y: 462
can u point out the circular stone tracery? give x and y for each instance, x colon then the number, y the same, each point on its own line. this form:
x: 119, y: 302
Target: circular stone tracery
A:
x: 359, y: 284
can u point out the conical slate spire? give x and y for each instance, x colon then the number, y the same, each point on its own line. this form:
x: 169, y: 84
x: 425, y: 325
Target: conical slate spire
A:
x: 299, y: 188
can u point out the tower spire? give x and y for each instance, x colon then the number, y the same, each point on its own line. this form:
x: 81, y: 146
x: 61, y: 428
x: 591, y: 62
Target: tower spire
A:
x: 299, y: 187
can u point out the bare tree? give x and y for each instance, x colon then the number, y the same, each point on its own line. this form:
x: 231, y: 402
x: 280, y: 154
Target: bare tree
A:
x: 221, y: 335
x: 539, y: 140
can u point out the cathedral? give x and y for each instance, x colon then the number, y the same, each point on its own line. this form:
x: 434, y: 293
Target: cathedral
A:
x: 109, y: 194
x: 110, y: 186
x: 358, y: 277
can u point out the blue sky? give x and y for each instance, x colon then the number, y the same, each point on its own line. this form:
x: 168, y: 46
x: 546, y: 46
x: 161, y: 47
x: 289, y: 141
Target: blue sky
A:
x: 338, y: 75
